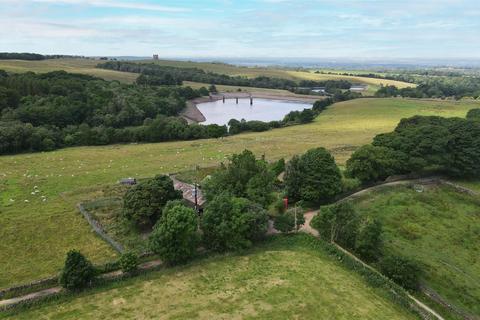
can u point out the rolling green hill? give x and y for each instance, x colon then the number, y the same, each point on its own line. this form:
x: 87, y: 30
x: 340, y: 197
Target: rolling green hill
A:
x: 36, y: 234
x: 87, y: 66
x: 284, y: 279
x: 439, y: 228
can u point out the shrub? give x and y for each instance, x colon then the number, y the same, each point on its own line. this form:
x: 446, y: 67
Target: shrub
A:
x: 175, y: 237
x: 337, y: 223
x: 144, y: 202
x: 279, y: 206
x: 278, y: 167
x: 369, y: 244
x: 231, y: 223
x: 77, y: 273
x: 474, y: 114
x: 285, y: 222
x: 401, y: 270
x: 128, y: 262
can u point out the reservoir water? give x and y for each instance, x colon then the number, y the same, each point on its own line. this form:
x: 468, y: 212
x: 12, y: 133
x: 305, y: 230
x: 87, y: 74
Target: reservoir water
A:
x: 220, y: 113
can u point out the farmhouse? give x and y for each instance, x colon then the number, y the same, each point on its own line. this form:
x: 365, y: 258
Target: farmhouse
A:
x: 188, y: 191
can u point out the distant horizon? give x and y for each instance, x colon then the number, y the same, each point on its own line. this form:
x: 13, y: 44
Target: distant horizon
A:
x: 320, y: 29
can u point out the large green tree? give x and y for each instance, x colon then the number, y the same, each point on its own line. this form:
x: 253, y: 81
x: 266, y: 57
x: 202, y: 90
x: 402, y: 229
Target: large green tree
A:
x: 371, y: 163
x: 144, y: 202
x: 313, y: 177
x: 231, y: 223
x: 175, y: 237
x: 244, y: 176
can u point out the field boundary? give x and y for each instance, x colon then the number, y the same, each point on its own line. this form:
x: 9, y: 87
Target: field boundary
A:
x: 97, y: 227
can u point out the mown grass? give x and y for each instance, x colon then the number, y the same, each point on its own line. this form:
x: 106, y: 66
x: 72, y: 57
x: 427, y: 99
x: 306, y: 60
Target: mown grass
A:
x: 283, y: 279
x: 439, y: 228
x: 36, y: 234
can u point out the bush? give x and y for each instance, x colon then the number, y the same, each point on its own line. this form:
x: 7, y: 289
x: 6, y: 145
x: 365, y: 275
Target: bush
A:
x: 474, y: 114
x: 369, y: 244
x: 337, y: 223
x: 402, y: 271
x: 77, y: 273
x: 278, y: 167
x: 128, y: 262
x: 285, y: 222
x: 279, y: 206
x: 175, y: 237
x: 144, y: 202
x: 231, y: 223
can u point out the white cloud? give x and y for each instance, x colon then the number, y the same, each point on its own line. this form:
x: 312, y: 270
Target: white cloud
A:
x: 116, y: 4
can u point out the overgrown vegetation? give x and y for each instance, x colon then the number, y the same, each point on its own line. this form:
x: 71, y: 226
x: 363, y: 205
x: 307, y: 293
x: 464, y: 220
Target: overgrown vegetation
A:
x: 420, y: 143
x: 144, y: 203
x: 438, y: 229
x: 342, y: 224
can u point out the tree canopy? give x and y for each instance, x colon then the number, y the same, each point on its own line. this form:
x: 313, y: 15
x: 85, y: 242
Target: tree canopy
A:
x: 419, y: 143
x: 231, y: 223
x: 175, y: 237
x: 144, y: 202
x: 313, y: 177
x: 244, y: 176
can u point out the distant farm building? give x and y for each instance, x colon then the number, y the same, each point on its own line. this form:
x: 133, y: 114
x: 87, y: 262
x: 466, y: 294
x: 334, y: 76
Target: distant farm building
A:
x: 358, y: 87
x: 155, y: 57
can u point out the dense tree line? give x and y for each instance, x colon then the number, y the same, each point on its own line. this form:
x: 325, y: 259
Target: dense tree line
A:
x: 450, y: 145
x: 440, y: 87
x: 154, y: 74
x: 21, y: 56
x: 47, y: 111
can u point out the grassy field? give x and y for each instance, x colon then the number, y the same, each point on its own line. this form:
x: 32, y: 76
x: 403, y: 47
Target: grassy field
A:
x: 284, y: 279
x: 86, y: 66
x: 439, y: 228
x: 83, y: 66
x: 278, y: 73
x: 36, y: 234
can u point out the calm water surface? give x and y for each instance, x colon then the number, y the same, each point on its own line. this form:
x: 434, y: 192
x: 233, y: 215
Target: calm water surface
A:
x: 262, y: 109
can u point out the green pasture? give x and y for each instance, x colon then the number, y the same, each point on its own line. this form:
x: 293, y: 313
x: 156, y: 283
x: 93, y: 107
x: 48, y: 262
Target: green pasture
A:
x: 283, y: 279
x: 37, y: 231
x: 439, y: 228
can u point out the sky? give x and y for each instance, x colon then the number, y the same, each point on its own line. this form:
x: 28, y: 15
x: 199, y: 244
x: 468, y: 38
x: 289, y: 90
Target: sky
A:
x: 363, y: 29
